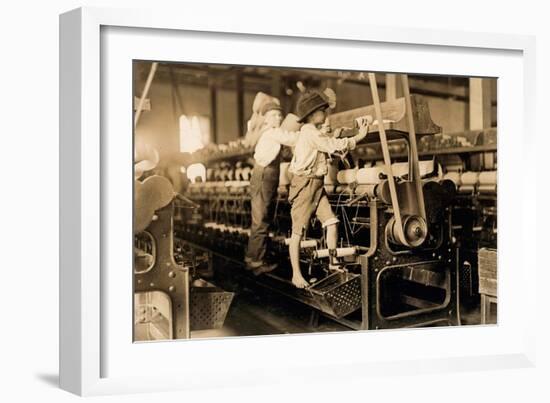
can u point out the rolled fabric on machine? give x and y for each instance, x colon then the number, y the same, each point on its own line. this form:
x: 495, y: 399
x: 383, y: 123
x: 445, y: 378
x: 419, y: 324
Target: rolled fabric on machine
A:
x: 346, y: 176
x: 469, y: 181
x: 487, y: 182
x: 426, y: 168
x: 488, y: 178
x: 487, y: 189
x: 370, y: 175
x: 346, y: 181
x: 340, y: 252
x: 453, y: 177
x: 369, y: 190
x: 469, y: 178
x: 379, y: 190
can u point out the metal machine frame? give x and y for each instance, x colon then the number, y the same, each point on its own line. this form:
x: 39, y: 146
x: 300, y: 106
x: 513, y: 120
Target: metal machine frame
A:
x: 165, y: 274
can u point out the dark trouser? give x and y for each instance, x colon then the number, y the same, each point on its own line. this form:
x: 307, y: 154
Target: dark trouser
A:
x: 263, y: 188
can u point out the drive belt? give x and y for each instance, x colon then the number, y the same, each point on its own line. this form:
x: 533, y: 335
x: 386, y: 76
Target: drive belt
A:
x: 414, y: 168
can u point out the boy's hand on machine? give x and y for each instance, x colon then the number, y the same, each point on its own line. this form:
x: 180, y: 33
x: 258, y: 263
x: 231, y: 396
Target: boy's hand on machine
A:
x: 363, y: 129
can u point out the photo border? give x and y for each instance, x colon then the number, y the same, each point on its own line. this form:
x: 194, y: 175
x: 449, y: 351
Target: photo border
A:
x: 81, y: 170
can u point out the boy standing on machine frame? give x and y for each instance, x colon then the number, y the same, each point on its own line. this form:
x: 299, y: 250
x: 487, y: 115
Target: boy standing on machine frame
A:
x: 309, y: 166
x: 264, y: 182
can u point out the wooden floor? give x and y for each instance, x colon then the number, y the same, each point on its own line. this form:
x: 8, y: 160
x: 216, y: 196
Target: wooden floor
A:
x: 252, y: 315
x: 256, y: 313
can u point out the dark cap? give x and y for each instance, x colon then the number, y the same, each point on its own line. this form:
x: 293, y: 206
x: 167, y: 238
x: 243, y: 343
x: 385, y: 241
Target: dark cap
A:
x: 309, y: 103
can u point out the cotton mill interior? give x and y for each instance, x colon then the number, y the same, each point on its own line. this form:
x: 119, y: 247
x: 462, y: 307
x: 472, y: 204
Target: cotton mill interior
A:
x: 272, y: 200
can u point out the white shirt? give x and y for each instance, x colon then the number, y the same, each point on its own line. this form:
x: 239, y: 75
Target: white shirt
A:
x: 309, y: 154
x: 269, y: 144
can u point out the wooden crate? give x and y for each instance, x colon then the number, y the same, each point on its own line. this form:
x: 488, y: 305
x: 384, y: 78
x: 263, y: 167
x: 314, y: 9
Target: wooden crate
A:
x: 487, y: 268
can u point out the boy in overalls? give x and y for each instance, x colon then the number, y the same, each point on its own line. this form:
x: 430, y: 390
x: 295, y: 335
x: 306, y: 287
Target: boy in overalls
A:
x: 264, y: 183
x: 309, y: 166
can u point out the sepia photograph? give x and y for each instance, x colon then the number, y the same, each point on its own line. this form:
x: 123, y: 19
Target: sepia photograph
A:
x: 276, y: 200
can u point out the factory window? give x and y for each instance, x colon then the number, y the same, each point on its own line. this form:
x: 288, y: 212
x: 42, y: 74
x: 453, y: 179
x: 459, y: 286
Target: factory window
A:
x: 194, y: 133
x: 195, y: 171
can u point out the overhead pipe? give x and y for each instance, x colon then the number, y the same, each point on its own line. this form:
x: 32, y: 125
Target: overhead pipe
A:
x: 145, y: 92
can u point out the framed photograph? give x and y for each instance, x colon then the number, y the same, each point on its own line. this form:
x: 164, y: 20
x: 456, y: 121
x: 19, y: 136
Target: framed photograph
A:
x: 243, y: 203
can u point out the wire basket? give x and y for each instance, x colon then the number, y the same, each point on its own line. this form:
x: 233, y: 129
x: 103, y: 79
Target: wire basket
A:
x: 338, y: 294
x: 208, y: 307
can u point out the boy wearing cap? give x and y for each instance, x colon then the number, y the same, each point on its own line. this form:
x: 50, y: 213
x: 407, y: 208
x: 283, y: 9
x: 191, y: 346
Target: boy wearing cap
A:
x: 264, y: 183
x: 309, y: 166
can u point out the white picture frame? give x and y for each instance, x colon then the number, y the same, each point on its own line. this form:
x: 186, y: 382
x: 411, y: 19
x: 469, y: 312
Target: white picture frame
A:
x: 89, y: 173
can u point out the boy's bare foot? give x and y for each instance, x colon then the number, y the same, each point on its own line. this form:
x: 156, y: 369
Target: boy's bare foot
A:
x: 299, y: 282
